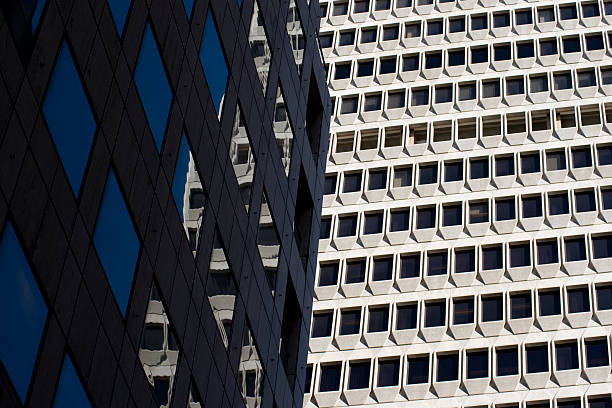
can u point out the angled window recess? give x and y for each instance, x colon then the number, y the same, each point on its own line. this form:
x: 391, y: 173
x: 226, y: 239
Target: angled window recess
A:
x: 221, y: 289
x: 37, y: 13
x: 296, y: 34
x: 179, y: 183
x: 70, y: 391
x: 116, y: 242
x: 251, y: 375
x: 152, y: 84
x: 22, y: 328
x: 260, y: 48
x: 213, y: 63
x: 69, y: 118
x: 282, y: 130
x: 268, y: 242
x: 159, y: 352
x: 242, y: 157
x: 119, y: 9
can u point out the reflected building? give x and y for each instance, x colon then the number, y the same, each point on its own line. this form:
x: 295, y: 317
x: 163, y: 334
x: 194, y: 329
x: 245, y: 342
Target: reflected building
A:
x: 153, y: 172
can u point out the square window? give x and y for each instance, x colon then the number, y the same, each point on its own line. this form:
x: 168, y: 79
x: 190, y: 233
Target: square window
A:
x: 453, y: 171
x: 451, y: 215
x: 433, y: 60
x: 349, y: 105
x: 382, y: 269
x: 546, y: 15
x: 532, y: 206
x: 501, y: 19
x: 340, y: 8
x: 328, y: 274
x: 504, y: 166
x: 530, y: 163
x: 378, y: 179
x: 604, y: 155
x: 566, y: 356
x: 479, y: 22
x: 412, y: 30
x: 585, y: 201
x: 492, y: 308
x: 479, y: 168
x: 606, y: 199
x: 396, y: 100
x: 372, y: 103
x: 578, y: 300
x: 456, y: 58
x: 602, y: 246
x: 435, y: 313
x: 388, y: 372
x: 515, y: 86
x: 346, y: 38
x: 330, y: 184
x: 520, y: 305
x: 448, y: 367
x: 361, y: 6
x: 538, y: 83
x: 390, y: 33
x: 434, y: 27
x: 347, y: 225
x: 418, y: 370
x: 601, y: 402
x: 505, y: 209
x: 594, y: 42
x: 365, y: 68
x: 379, y: 319
x: 581, y: 157
x: 492, y: 257
x: 343, y: 71
x: 604, y: 297
x: 525, y: 50
x: 548, y: 47
x: 463, y: 311
x: 406, y: 317
x: 410, y: 266
x: 507, y: 361
x: 520, y: 255
x: 479, y: 55
x: 586, y: 78
x: 523, y: 17
x: 590, y: 10
x: 575, y: 249
x: 420, y: 97
x: 596, y: 353
x: 467, y: 92
x: 326, y: 40
x: 437, y: 263
x: 465, y: 260
x: 359, y: 375
x: 372, y: 223
x: 456, y: 25
x: 402, y: 177
x: 322, y: 324
x: 349, y: 321
x: 477, y: 364
x: 352, y: 182
x: 478, y: 212
x: 368, y: 35
x: 558, y: 204
x: 490, y: 89
x: 501, y: 52
x: 555, y: 160
x: 550, y: 302
x: 324, y: 232
x: 444, y: 94
x: 428, y: 173
x: 330, y: 377
x: 355, y: 271
x: 547, y: 252
x: 382, y: 5
x: 568, y: 12
x: 426, y: 217
x: 537, y: 359
x: 570, y: 44
x: 387, y: 66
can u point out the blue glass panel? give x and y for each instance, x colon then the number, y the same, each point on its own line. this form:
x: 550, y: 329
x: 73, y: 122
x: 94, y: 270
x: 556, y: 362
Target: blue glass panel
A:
x: 119, y: 9
x: 213, y: 62
x: 239, y: 3
x: 69, y: 118
x: 40, y: 5
x: 152, y: 84
x: 70, y: 393
x: 188, y: 7
x: 116, y: 242
x: 25, y: 312
x: 179, y: 185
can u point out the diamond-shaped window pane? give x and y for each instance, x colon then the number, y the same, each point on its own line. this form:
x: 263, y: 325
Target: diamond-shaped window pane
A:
x: 116, y: 242
x: 194, y: 207
x: 242, y: 158
x: 159, y: 350
x: 179, y: 184
x: 221, y: 289
x: 25, y: 312
x: 70, y: 393
x: 188, y: 7
x: 268, y: 243
x: 119, y: 9
x: 296, y: 35
x: 69, y: 118
x: 251, y: 375
x: 260, y: 49
x: 152, y: 83
x: 283, y: 131
x: 40, y: 6
x: 213, y: 62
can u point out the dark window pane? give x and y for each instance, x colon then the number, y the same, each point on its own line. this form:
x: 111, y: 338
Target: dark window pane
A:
x: 448, y: 367
x: 349, y: 321
x: 383, y: 269
x: 456, y: 25
x: 575, y: 250
x: 530, y: 163
x: 330, y: 378
x: 585, y: 201
x: 479, y: 168
x: 453, y: 171
x: 388, y: 373
x: 492, y: 308
x: 352, y: 182
x: 426, y: 217
x: 400, y: 220
x: 355, y: 271
x: 581, y: 158
x: 515, y: 86
x: 477, y: 364
x: 437, y: 263
x: 604, y: 297
x: 406, y: 317
x: 479, y: 22
x: 569, y: 404
x: 520, y: 255
x: 558, y: 204
x: 379, y: 319
x: 550, y: 302
x: 322, y: 324
x: 501, y: 19
x: 523, y: 17
x: 330, y: 184
x: 532, y: 207
x: 359, y: 376
x: 434, y: 27
x: 578, y: 300
x: 402, y: 177
x: 324, y: 233
x: 368, y: 35
x: 390, y: 33
x: 365, y: 68
x: 505, y: 209
x: 433, y: 60
x: 161, y: 386
x: 69, y: 391
x: 418, y: 370
x: 601, y: 402
x: 153, y: 337
x: 347, y: 226
x: 568, y: 12
x: 507, y: 361
x: 346, y: 38
x: 479, y: 55
x: 343, y: 71
x: 602, y: 247
x: 537, y: 359
x: 328, y: 274
x: 501, y: 52
x: 571, y: 44
x: 604, y: 153
x: 410, y: 63
x: 520, y: 305
x: 451, y: 215
x: 492, y: 258
x: 504, y: 166
x: 465, y: 260
x: 590, y: 10
x: 387, y: 66
x: 479, y: 212
x: 435, y: 314
x: 548, y: 47
x: 566, y: 356
x: 596, y: 353
x: 463, y: 311
x: 455, y: 58
x: 525, y: 50
x: 410, y: 266
x: 372, y: 223
x: 308, y: 379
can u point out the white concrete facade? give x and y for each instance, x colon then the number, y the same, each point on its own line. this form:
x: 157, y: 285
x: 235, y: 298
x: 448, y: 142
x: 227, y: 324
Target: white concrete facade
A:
x: 469, y: 202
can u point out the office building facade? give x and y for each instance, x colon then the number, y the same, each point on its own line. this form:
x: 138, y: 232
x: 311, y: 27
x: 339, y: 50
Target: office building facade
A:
x: 162, y: 174
x: 466, y: 243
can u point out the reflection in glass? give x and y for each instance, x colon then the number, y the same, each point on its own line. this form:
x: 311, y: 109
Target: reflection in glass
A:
x: 296, y: 35
x: 283, y: 131
x: 260, y: 49
x: 158, y: 352
x: 242, y: 158
x: 251, y: 376
x: 268, y: 243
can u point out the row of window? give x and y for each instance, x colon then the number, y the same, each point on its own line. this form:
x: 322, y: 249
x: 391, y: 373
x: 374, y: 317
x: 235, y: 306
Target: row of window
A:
x: 446, y: 312
x: 576, y: 158
x: 465, y: 365
x: 568, y: 13
x: 479, y: 211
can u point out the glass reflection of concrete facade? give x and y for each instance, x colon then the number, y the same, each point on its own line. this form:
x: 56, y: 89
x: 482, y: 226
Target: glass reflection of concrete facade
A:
x: 152, y: 157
